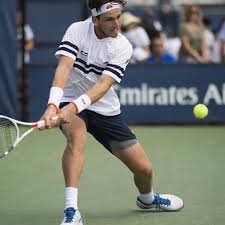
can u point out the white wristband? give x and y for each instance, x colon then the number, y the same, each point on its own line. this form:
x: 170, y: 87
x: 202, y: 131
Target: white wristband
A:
x: 82, y: 102
x: 55, y: 96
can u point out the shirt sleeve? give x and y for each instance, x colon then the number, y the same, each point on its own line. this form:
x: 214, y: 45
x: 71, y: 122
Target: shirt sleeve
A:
x: 70, y: 43
x: 117, y: 65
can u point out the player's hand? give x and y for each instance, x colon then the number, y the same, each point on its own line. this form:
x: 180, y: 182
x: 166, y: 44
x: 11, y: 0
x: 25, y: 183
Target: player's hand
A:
x: 66, y: 114
x: 47, y: 117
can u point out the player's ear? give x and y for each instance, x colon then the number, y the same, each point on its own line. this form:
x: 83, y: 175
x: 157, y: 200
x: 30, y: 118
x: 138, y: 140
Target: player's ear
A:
x: 94, y: 20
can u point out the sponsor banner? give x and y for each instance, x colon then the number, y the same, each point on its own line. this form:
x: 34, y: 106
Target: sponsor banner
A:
x: 153, y: 94
x: 167, y: 93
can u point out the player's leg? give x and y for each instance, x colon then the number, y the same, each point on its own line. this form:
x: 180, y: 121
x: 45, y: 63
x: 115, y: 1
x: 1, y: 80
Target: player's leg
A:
x: 114, y: 134
x: 139, y: 164
x: 72, y: 165
x: 73, y: 157
x: 136, y: 160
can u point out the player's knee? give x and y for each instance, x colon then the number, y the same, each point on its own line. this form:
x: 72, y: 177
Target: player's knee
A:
x: 74, y: 148
x: 76, y: 142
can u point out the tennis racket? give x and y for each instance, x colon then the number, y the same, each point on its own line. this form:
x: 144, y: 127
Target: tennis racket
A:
x: 12, y: 132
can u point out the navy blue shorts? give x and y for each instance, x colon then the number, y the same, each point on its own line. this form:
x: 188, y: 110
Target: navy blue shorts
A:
x: 111, y: 131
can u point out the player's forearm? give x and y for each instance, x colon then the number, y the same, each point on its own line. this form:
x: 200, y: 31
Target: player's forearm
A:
x: 93, y: 94
x: 62, y: 73
x: 97, y: 92
x: 61, y: 77
x: 100, y: 89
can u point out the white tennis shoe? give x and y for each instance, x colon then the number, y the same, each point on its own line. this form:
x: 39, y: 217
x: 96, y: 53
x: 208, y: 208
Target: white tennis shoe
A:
x: 165, y: 202
x: 72, y: 217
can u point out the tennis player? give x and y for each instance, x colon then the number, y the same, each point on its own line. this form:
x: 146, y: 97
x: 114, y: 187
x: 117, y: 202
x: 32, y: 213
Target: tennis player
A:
x: 93, y: 55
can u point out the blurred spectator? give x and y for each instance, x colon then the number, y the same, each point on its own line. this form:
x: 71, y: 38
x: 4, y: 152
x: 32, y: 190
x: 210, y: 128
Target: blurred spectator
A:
x: 172, y: 45
x: 29, y: 40
x: 209, y: 38
x: 193, y: 48
x: 137, y: 37
x: 221, y: 38
x: 159, y: 54
x: 169, y: 17
x: 150, y: 24
x: 22, y: 81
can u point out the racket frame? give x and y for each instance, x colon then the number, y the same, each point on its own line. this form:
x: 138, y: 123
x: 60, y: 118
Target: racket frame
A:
x: 34, y: 126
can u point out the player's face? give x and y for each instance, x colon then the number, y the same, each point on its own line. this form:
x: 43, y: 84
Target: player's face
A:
x: 108, y: 24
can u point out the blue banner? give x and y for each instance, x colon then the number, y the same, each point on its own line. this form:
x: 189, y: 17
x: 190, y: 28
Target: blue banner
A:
x: 161, y: 94
x: 153, y: 94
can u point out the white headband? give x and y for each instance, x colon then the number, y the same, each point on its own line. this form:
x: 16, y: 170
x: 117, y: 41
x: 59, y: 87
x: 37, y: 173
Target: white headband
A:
x: 106, y: 7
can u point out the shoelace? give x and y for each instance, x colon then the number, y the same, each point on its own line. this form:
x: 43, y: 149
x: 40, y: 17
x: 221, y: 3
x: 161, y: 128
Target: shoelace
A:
x: 69, y: 214
x: 160, y: 201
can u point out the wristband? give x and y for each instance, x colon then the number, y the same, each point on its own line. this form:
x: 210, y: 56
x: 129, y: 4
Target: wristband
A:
x: 82, y: 102
x: 55, y: 96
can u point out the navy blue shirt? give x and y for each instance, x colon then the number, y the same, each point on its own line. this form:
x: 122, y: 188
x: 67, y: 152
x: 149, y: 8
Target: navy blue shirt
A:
x: 166, y: 58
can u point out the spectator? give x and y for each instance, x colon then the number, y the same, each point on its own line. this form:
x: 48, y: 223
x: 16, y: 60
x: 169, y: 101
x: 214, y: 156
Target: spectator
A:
x: 216, y: 54
x: 137, y: 36
x: 159, y: 54
x: 221, y: 38
x: 173, y: 44
x: 22, y: 82
x: 29, y: 40
x: 169, y: 17
x: 150, y: 24
x: 209, y: 38
x: 193, y: 48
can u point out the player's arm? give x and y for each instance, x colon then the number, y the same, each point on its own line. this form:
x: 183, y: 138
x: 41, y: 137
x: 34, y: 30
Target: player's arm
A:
x: 61, y: 76
x: 100, y: 88
x: 89, y: 97
x: 62, y: 71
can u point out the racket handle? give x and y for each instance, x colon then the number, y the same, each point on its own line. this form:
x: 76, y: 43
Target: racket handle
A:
x: 41, y: 123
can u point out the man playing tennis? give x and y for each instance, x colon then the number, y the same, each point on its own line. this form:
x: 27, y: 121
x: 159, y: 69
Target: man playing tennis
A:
x: 93, y: 55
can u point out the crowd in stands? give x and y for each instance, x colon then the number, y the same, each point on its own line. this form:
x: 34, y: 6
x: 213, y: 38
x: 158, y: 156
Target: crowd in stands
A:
x: 174, y: 36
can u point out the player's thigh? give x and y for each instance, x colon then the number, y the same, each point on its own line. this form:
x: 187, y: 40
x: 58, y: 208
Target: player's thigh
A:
x: 135, y: 159
x: 75, y: 132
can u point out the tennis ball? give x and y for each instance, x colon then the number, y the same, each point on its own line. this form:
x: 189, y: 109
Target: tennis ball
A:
x: 200, y: 111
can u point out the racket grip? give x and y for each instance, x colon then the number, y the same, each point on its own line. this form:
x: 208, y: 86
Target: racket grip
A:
x: 41, y: 123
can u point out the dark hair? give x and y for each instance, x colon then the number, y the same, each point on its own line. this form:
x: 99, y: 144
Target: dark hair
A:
x: 96, y: 4
x: 206, y: 21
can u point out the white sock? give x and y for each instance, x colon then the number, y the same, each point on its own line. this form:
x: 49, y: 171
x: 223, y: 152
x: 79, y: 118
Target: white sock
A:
x: 147, y: 198
x: 71, y: 194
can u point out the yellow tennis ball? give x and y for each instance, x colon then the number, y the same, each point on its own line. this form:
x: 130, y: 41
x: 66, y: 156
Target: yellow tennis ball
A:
x: 200, y: 111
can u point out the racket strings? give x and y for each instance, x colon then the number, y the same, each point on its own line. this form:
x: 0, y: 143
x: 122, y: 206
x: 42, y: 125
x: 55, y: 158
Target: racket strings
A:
x: 8, y: 135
